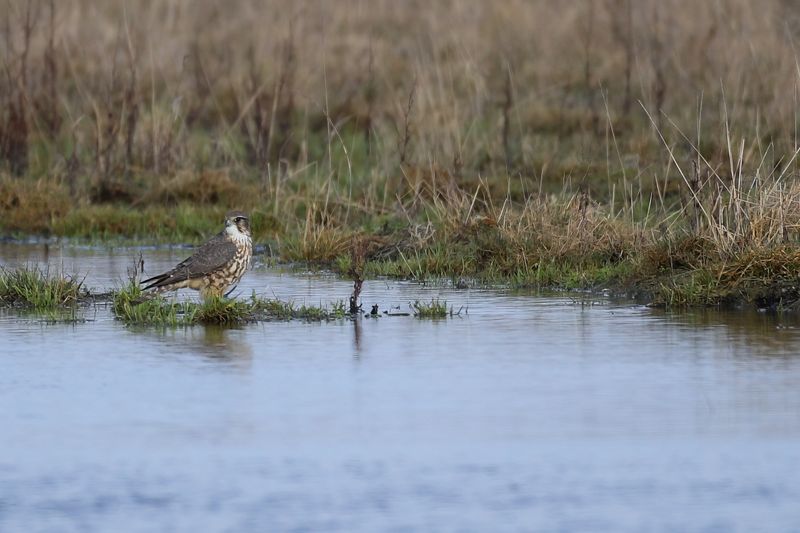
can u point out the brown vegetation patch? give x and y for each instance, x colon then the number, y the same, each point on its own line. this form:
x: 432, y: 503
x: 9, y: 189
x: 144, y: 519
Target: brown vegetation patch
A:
x: 106, y: 191
x: 205, y: 187
x: 30, y: 206
x: 781, y: 263
x: 683, y: 252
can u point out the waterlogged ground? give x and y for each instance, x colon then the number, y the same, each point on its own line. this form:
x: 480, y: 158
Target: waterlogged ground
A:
x: 529, y: 413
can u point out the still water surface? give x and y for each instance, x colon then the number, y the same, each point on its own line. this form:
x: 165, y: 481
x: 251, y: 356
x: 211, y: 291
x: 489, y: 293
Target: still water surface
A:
x: 529, y: 413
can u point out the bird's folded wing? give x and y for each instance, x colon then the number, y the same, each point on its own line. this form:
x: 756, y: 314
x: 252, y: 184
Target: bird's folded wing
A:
x: 211, y: 256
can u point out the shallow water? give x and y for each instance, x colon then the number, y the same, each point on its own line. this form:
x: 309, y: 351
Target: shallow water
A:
x: 529, y: 413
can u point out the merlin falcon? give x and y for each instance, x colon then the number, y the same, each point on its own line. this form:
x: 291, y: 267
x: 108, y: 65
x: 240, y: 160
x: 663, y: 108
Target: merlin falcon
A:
x: 218, y: 264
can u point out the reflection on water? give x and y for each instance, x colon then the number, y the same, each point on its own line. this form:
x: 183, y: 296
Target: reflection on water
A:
x: 749, y: 333
x: 357, y: 334
x: 214, y: 342
x: 529, y: 413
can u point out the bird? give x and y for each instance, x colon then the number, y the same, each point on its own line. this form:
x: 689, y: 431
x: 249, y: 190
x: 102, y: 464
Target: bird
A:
x: 215, y: 266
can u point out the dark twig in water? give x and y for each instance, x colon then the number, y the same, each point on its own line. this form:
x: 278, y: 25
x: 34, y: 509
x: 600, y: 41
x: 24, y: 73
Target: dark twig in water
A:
x: 356, y: 272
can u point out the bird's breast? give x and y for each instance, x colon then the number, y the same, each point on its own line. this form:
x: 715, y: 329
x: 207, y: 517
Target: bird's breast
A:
x: 241, y: 260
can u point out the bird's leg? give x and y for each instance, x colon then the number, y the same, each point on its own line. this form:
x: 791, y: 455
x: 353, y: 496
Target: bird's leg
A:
x: 230, y: 291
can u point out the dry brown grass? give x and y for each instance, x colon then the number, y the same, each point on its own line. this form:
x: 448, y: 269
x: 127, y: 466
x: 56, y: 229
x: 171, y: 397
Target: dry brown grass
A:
x: 466, y: 86
x: 205, y: 187
x: 31, y: 206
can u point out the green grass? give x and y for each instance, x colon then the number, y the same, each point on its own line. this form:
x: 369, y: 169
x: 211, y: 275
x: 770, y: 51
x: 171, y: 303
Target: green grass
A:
x: 436, y: 308
x: 39, y: 290
x: 695, y: 288
x: 220, y: 311
x: 274, y: 309
x: 134, y: 307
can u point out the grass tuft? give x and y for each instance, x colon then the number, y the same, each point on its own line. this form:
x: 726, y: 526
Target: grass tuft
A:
x: 220, y: 311
x: 133, y: 306
x: 436, y: 308
x: 39, y: 290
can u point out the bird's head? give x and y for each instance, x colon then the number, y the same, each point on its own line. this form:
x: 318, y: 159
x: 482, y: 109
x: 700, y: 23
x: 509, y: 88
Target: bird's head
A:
x: 237, y: 222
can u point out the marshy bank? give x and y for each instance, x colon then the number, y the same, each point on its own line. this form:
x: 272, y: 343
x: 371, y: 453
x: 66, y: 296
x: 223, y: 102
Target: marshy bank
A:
x: 582, y: 165
x: 731, y: 246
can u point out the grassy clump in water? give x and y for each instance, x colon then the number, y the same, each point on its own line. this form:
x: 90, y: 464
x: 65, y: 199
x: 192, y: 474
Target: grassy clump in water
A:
x: 436, y: 308
x: 39, y: 290
x: 274, y: 309
x: 133, y: 306
x: 220, y: 311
